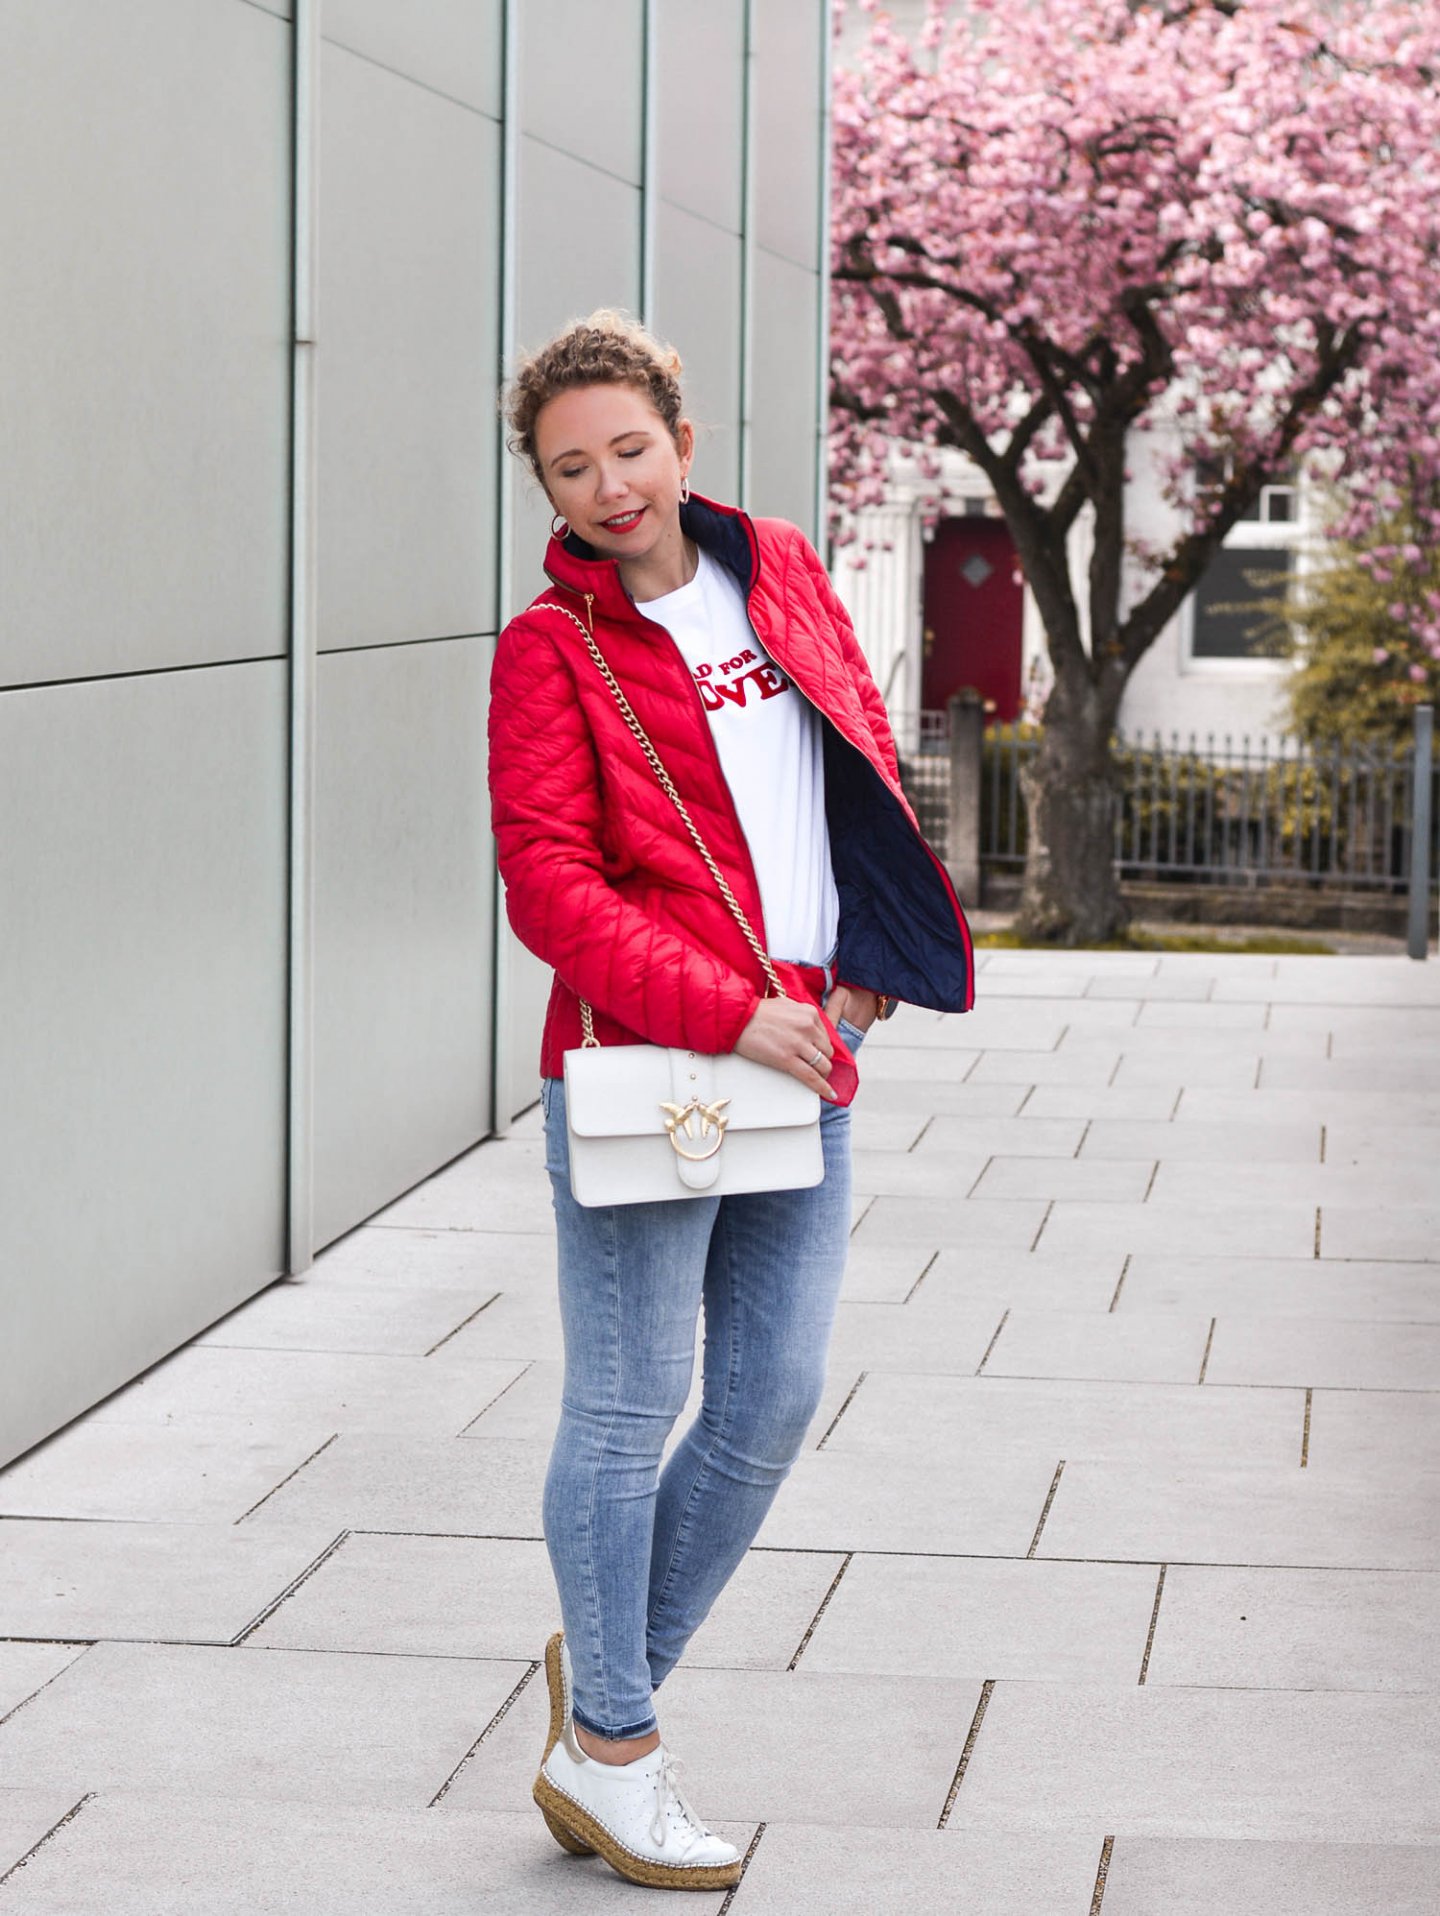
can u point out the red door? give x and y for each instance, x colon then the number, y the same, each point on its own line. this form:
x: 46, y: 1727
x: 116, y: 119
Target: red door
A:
x: 972, y: 616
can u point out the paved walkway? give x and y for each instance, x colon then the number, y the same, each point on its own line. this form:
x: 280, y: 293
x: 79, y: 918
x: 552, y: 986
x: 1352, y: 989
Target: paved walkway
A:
x: 1116, y: 1539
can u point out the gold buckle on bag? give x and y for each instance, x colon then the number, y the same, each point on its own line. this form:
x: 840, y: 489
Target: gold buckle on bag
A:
x: 680, y: 1121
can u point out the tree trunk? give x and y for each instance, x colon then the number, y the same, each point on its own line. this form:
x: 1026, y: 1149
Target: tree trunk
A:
x: 1071, y: 894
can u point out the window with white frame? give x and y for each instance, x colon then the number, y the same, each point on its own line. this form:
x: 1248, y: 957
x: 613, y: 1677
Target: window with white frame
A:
x: 1236, y: 610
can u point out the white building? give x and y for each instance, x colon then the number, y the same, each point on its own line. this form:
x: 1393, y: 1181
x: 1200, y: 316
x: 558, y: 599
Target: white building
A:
x: 943, y: 606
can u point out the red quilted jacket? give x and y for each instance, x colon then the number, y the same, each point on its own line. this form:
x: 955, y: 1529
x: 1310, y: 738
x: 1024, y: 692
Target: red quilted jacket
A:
x: 602, y: 880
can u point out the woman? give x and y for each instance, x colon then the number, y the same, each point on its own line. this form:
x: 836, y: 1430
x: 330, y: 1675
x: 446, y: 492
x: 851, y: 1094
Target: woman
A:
x: 741, y: 666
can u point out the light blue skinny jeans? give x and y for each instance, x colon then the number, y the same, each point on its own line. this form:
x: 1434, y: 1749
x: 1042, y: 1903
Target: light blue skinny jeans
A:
x: 640, y: 1553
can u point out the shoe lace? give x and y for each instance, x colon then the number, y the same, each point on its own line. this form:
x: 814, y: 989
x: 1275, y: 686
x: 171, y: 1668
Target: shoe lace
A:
x: 668, y: 1791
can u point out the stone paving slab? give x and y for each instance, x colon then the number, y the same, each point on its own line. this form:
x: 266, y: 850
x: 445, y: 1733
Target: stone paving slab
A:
x: 1131, y: 1348
x: 1185, y: 1140
x: 1271, y: 1104
x: 1333, y: 1352
x: 915, y: 1068
x: 1380, y: 1144
x: 885, y: 1130
x: 1110, y: 1181
x: 933, y: 1221
x: 476, y: 1262
x: 372, y: 1480
x: 1353, y: 1289
x: 299, y: 1315
x: 879, y: 1273
x: 26, y: 1818
x: 454, y: 1201
x: 938, y: 1331
x: 518, y: 1327
x: 976, y: 1617
x: 1151, y: 1876
x: 1179, y: 1014
x: 1279, y: 1228
x: 205, y: 1857
x: 1339, y: 982
x: 1028, y: 1280
x: 905, y: 1174
x: 204, y: 1470
x: 1371, y: 1025
x: 955, y: 1096
x: 1404, y: 1233
x: 1131, y: 1103
x: 955, y: 1420
x: 1191, y: 989
x: 1335, y: 1077
x: 26, y: 1668
x: 1022, y: 1137
x: 495, y: 1598
x: 799, y: 1768
x: 1330, y: 1184
x: 1386, y: 1434
x: 1155, y: 1514
x: 874, y: 1500
x: 1297, y: 1630
x: 995, y: 1024
x: 198, y: 1583
x: 278, y: 1725
x: 340, y: 1390
x: 799, y: 1870
x: 1333, y: 1767
x: 1088, y: 1061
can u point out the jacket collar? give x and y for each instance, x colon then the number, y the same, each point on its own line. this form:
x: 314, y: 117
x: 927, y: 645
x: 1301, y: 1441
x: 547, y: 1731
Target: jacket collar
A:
x: 725, y: 532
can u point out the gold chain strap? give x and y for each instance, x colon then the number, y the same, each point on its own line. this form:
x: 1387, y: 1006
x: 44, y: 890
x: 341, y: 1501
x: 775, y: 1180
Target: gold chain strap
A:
x: 627, y: 712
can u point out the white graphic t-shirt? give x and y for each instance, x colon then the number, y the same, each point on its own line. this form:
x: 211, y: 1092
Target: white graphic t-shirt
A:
x: 768, y: 736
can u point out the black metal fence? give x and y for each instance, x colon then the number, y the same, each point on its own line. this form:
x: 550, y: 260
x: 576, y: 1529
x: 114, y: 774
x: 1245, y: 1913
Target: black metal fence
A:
x: 1211, y: 811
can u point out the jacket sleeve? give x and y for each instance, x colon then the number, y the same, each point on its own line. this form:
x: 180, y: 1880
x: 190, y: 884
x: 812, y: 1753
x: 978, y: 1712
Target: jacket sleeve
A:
x: 548, y: 818
x: 854, y: 656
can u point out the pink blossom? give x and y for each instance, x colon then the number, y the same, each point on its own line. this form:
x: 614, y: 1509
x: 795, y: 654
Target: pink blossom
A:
x: 1225, y: 222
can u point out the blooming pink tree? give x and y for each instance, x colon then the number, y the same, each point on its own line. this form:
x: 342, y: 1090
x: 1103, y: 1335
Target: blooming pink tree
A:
x: 1215, y: 221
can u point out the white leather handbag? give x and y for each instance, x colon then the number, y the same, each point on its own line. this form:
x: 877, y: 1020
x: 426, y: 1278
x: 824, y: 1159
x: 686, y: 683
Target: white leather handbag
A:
x: 646, y: 1122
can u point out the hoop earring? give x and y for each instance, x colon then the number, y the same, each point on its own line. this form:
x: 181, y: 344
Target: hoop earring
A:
x: 559, y: 529
x: 685, y: 489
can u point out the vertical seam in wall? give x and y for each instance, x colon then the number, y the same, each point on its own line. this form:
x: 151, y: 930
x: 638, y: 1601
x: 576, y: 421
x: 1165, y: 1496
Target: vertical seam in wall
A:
x: 501, y: 1095
x: 822, y: 291
x: 649, y: 160
x: 747, y: 247
x: 300, y: 889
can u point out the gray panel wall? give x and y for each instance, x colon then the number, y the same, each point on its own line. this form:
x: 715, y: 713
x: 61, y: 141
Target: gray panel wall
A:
x: 142, y: 1040
x: 409, y: 229
x: 404, y: 921
x: 145, y: 630
x: 144, y: 214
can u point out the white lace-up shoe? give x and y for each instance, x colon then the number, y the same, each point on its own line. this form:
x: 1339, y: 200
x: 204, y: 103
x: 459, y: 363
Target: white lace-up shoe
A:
x: 635, y: 1816
x: 558, y: 1680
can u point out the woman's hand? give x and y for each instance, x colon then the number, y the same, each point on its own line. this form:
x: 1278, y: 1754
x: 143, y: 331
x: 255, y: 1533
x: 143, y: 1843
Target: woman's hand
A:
x: 789, y: 1035
x: 855, y: 1005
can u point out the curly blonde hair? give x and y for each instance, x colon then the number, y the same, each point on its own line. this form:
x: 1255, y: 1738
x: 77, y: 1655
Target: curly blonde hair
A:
x: 607, y: 349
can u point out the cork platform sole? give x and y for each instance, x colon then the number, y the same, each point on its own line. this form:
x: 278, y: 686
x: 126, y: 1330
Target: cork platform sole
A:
x: 557, y: 1807
x: 555, y: 1683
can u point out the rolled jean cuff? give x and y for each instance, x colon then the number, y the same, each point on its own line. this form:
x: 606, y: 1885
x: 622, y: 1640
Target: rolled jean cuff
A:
x: 613, y: 1736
